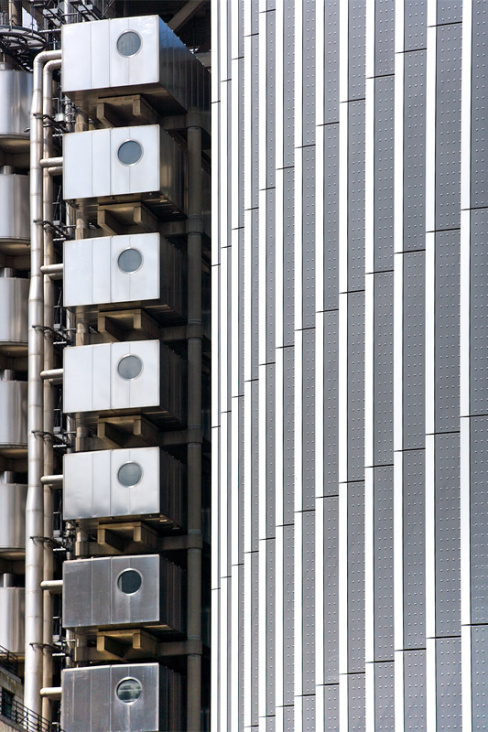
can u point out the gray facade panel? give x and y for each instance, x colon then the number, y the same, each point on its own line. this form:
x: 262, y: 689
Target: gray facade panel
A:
x: 447, y: 535
x: 331, y: 706
x: 308, y: 604
x: 331, y: 590
x: 384, y: 37
x: 331, y: 216
x: 479, y: 313
x: 356, y: 60
x: 384, y: 697
x: 270, y: 452
x: 414, y: 150
x: 383, y: 172
x: 355, y: 576
x: 270, y: 75
x: 308, y: 72
x: 355, y: 196
x: 308, y: 237
x: 288, y: 436
x: 479, y: 679
x: 331, y: 396
x: 479, y: 519
x: 383, y: 369
x: 414, y: 549
x: 289, y: 258
x: 355, y: 366
x: 383, y: 563
x: 448, y: 126
x: 415, y: 24
x: 448, y: 670
x: 289, y: 86
x: 331, y: 61
x: 356, y: 693
x: 449, y: 11
x: 415, y: 691
x: 308, y: 428
x: 447, y: 263
x: 479, y: 106
x: 413, y: 350
x: 270, y: 275
x: 289, y: 615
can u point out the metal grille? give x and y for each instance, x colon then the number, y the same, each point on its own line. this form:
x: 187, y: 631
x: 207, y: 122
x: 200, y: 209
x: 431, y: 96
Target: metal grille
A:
x: 24, y: 718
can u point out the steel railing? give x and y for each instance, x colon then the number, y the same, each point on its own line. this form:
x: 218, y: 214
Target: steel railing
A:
x: 14, y: 711
x: 9, y: 660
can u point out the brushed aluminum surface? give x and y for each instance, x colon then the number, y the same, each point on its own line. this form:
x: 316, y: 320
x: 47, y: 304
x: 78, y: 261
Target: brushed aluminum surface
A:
x: 13, y: 498
x: 95, y: 487
x: 15, y: 101
x: 14, y: 209
x: 92, y: 167
x: 14, y: 293
x: 92, y: 594
x: 162, y: 68
x: 90, y: 702
x: 13, y: 414
x: 12, y: 603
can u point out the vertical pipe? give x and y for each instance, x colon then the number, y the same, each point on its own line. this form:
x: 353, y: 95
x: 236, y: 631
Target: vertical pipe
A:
x: 194, y: 609
x: 15, y: 12
x: 34, y: 553
x: 48, y: 420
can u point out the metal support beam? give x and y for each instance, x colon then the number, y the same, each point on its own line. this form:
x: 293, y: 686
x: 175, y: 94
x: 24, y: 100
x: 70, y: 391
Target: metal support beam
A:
x: 184, y: 15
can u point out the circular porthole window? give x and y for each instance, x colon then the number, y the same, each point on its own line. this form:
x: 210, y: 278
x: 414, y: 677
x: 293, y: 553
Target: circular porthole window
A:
x: 129, y: 260
x: 129, y: 367
x: 129, y: 690
x: 130, y: 152
x: 129, y: 581
x: 129, y: 43
x: 129, y: 474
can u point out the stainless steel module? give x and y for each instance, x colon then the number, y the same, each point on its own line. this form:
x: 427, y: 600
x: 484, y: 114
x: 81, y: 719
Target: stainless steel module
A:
x: 14, y: 293
x: 12, y: 605
x: 14, y: 213
x: 133, y: 482
x: 138, y: 375
x: 142, y: 162
x: 15, y: 101
x: 125, y: 269
x: 12, y: 518
x: 123, y: 591
x: 124, y: 55
x: 13, y: 413
x: 137, y: 697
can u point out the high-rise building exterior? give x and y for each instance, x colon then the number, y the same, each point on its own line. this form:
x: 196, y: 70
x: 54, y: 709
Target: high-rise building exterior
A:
x: 104, y: 366
x: 349, y: 380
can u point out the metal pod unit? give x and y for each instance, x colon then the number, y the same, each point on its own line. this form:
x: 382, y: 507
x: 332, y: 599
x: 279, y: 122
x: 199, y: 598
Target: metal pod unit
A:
x: 122, y: 591
x: 12, y: 607
x: 142, y: 162
x: 135, y: 482
x: 131, y: 269
x: 14, y: 292
x: 14, y: 213
x: 138, y: 697
x: 12, y: 519
x: 137, y: 375
x: 16, y: 89
x: 109, y: 59
x: 13, y: 414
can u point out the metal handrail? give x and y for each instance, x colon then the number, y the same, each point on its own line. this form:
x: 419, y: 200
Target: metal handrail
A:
x: 9, y: 660
x: 24, y: 718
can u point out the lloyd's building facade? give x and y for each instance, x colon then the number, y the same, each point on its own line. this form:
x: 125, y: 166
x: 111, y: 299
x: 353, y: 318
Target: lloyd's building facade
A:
x: 104, y: 368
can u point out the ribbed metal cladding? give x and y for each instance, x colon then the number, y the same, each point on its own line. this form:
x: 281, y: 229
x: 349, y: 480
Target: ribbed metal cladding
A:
x: 349, y: 325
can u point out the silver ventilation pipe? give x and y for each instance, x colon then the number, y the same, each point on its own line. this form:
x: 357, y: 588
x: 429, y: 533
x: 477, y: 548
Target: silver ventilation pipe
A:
x: 48, y: 420
x: 34, y: 549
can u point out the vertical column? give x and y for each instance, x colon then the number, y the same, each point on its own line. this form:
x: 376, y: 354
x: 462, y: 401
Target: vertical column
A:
x: 380, y: 81
x: 267, y: 364
x: 474, y: 339
x: 351, y: 365
x: 442, y: 446
x: 326, y: 367
x: 409, y: 360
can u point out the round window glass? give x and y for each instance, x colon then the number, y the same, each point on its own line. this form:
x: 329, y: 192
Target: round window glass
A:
x: 129, y: 581
x: 130, y: 152
x: 129, y: 43
x: 129, y: 690
x: 129, y: 260
x: 129, y: 474
x: 129, y: 367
